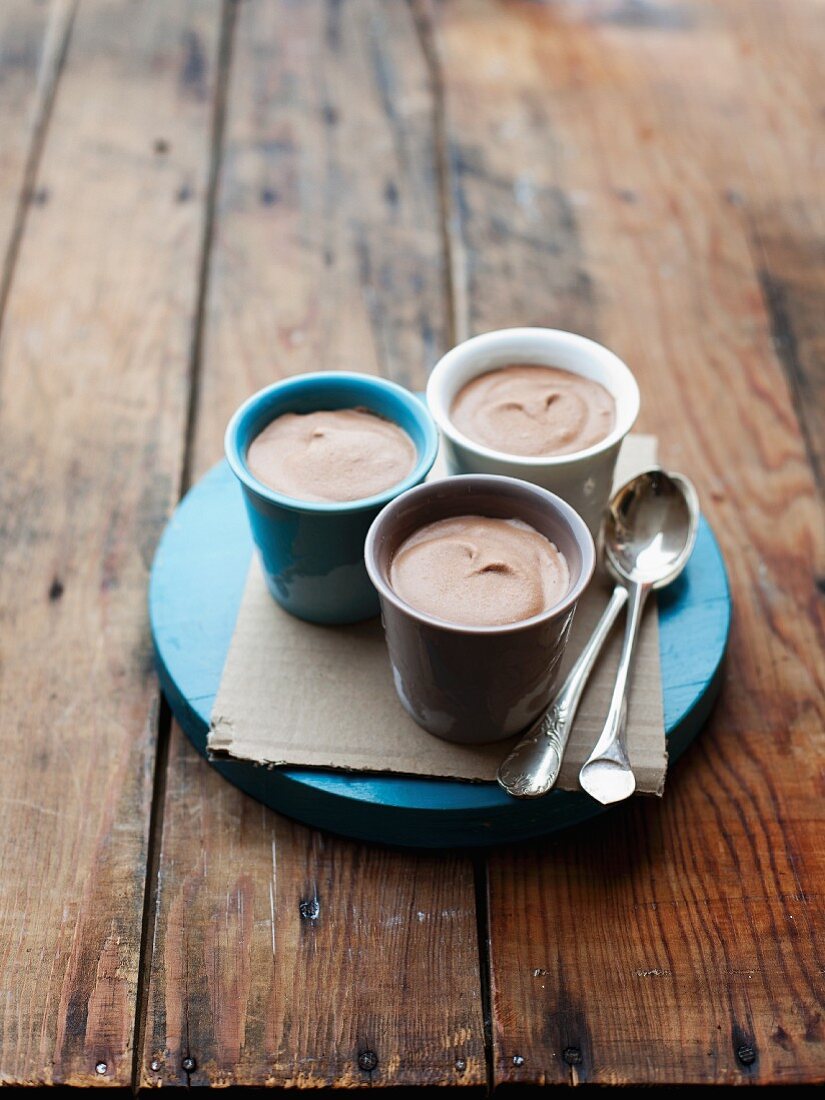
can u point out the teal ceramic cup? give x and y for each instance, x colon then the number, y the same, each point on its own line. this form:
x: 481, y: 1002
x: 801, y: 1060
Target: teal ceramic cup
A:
x: 313, y: 552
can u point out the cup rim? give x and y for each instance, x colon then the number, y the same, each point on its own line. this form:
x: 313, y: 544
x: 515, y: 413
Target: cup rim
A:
x: 437, y: 400
x: 579, y: 528
x: 414, y: 404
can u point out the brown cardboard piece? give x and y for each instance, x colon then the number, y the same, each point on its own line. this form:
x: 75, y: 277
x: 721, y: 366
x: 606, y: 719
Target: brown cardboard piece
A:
x: 297, y: 694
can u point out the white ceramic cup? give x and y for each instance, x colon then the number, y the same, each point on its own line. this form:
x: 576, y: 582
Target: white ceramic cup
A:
x: 584, y: 479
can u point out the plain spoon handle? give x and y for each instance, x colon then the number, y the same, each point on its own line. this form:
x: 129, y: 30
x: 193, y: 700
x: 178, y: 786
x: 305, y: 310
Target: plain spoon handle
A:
x: 533, y: 766
x: 606, y: 774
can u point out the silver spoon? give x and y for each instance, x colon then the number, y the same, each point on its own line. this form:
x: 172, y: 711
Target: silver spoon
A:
x: 533, y: 766
x: 648, y: 535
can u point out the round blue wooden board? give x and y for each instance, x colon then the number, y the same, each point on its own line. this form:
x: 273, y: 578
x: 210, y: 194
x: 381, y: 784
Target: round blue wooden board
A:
x: 198, y: 577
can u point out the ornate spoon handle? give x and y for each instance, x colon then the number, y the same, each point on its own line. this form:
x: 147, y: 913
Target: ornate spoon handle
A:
x: 533, y: 766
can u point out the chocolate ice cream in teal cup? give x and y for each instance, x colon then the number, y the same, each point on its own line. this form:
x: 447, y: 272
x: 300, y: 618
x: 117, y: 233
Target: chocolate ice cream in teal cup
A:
x: 312, y: 552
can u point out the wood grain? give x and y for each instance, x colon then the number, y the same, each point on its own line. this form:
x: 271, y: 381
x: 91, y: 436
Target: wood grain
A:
x: 33, y: 41
x: 285, y: 956
x: 282, y: 956
x: 328, y: 242
x: 93, y: 391
x: 644, y: 173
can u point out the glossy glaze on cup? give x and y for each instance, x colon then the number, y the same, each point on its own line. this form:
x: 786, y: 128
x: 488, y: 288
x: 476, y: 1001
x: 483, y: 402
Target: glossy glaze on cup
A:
x: 476, y: 684
x: 312, y: 552
x: 584, y: 479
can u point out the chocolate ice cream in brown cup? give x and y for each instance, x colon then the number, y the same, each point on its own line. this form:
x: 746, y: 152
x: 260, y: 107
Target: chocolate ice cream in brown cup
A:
x: 478, y: 578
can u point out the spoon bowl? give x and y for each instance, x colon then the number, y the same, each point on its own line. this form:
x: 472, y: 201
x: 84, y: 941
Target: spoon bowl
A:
x: 650, y: 529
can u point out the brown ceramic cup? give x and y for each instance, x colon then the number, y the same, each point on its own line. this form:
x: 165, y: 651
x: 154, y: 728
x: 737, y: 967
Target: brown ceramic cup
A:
x: 476, y: 684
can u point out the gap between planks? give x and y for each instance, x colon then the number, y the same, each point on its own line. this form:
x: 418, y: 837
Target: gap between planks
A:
x: 455, y: 290
x: 55, y: 48
x: 227, y: 34
x: 150, y: 892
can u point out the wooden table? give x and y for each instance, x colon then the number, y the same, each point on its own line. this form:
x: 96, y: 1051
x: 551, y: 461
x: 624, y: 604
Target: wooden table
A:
x: 199, y: 197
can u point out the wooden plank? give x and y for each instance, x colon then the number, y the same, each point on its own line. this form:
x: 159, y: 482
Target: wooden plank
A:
x: 285, y: 956
x: 786, y: 218
x: 94, y: 361
x: 614, y: 168
x: 33, y: 41
x: 282, y: 956
x: 329, y: 178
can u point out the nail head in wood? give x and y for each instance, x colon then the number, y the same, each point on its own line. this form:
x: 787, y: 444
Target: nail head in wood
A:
x: 573, y: 1056
x: 746, y: 1054
x: 367, y: 1060
x: 189, y: 1064
x: 309, y: 908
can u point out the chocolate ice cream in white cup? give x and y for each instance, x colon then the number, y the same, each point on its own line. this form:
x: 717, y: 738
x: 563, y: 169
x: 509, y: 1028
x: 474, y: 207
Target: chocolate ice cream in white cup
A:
x: 603, y: 398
